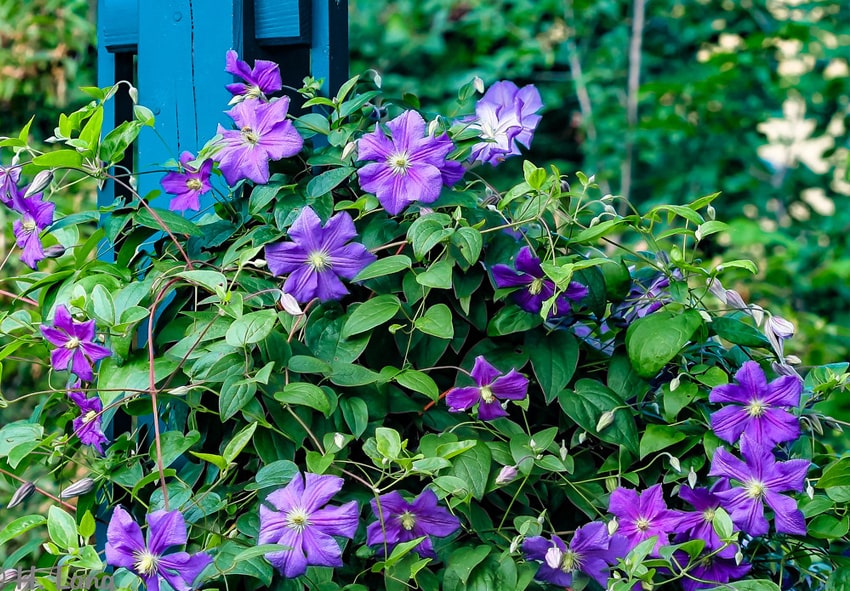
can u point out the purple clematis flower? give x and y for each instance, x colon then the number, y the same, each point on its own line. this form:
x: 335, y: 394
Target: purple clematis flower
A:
x: 756, y: 408
x: 643, y: 515
x: 37, y: 215
x: 642, y: 300
x: 76, y: 350
x: 408, y: 165
x: 126, y: 547
x: 699, y: 524
x: 712, y: 571
x: 87, y: 426
x: 301, y: 522
x: 400, y: 521
x: 537, y: 287
x: 761, y: 480
x: 263, y: 79
x: 505, y: 116
x: 264, y: 134
x: 318, y: 256
x: 492, y: 386
x: 187, y: 185
x: 9, y: 178
x: 592, y: 551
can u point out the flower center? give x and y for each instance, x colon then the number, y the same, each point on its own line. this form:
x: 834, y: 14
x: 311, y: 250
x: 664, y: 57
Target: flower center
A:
x: 756, y: 408
x: 487, y: 394
x: 72, y: 343
x: 570, y: 561
x: 249, y: 135
x: 708, y: 515
x: 89, y: 416
x: 298, y: 519
x: 194, y: 184
x: 536, y: 287
x: 399, y: 162
x: 488, y: 131
x: 29, y: 226
x: 319, y: 260
x: 145, y: 563
x: 755, y: 489
x: 408, y: 520
x: 642, y: 523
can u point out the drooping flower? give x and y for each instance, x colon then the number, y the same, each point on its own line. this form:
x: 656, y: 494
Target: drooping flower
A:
x: 505, y: 116
x: 537, y: 288
x: 757, y: 408
x: 407, y: 165
x: 264, y: 133
x: 9, y: 178
x: 592, y: 551
x: 761, y: 478
x: 87, y: 426
x: 644, y: 298
x: 125, y: 547
x: 492, y: 386
x: 76, y: 350
x: 187, y: 185
x: 401, y: 521
x: 263, y: 78
x: 699, y: 524
x: 36, y: 216
x: 711, y: 571
x: 301, y: 522
x: 642, y: 516
x: 778, y: 330
x: 318, y: 256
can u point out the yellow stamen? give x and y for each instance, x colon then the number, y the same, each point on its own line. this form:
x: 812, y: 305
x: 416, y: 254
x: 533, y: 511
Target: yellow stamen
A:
x: 298, y: 519
x: 194, y: 184
x: 487, y: 394
x: 408, y: 520
x: 72, y: 343
x: 399, y: 162
x: 89, y: 416
x: 319, y: 260
x: 145, y: 563
x: 250, y: 137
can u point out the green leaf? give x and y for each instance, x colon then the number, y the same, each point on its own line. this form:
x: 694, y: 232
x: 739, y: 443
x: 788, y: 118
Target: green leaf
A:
x: 14, y: 434
x: 748, y: 585
x: 62, y: 528
x: 176, y: 223
x: 473, y: 467
x: 836, y: 474
x: 464, y: 559
x: 350, y: 374
x: 828, y: 527
x: 305, y: 394
x: 261, y: 550
x: 355, y: 411
x: 307, y: 364
x: 327, y: 181
x: 388, y: 442
x: 418, y: 382
x: 554, y: 358
x: 238, y: 442
x: 512, y: 319
x: 738, y: 333
x: 428, y: 231
x: 654, y: 340
x: 658, y: 437
x: 213, y: 281
x: 585, y: 406
x: 214, y: 459
x: 59, y: 159
x: 437, y: 322
x: 385, y: 266
x: 438, y: 275
x: 20, y: 526
x: 235, y: 393
x: 469, y: 243
x: 371, y: 313
x: 276, y: 474
x: 173, y: 444
x: 251, y: 328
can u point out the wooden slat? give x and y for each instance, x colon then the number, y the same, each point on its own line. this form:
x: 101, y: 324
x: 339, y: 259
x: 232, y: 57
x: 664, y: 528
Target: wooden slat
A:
x: 282, y: 22
x: 118, y: 25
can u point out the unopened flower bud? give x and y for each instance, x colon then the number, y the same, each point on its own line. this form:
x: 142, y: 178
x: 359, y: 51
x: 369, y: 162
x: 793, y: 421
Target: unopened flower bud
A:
x: 432, y: 126
x: 757, y: 313
x: 506, y: 475
x: 9, y: 575
x: 605, y: 420
x: 80, y: 487
x: 612, y: 483
x: 692, y: 478
x: 717, y: 290
x: 739, y: 557
x: 563, y: 451
x: 180, y: 390
x: 348, y: 149
x: 515, y: 544
x: 706, y: 316
x: 780, y: 327
x: 793, y: 360
x: 710, y: 213
x: 39, y: 183
x: 542, y: 517
x: 54, y: 252
x: 22, y: 494
x: 675, y: 464
x: 582, y: 437
x: 565, y: 187
x: 646, y: 586
x: 290, y: 304
x: 478, y: 84
x: 734, y: 300
x: 613, y: 526
x: 553, y: 557
x: 810, y: 490
x: 339, y: 440
x: 259, y: 263
x: 674, y: 383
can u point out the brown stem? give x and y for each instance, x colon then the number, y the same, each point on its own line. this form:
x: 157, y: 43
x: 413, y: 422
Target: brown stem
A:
x: 17, y: 297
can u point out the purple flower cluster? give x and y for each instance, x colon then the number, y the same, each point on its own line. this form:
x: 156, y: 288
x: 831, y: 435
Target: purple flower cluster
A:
x: 318, y: 256
x: 491, y: 387
x: 188, y: 184
x: 591, y: 551
x: 644, y: 299
x: 536, y: 287
x: 505, y: 117
x: 407, y: 165
x: 401, y: 521
x: 75, y: 349
x: 36, y: 214
x: 87, y: 426
x: 126, y: 547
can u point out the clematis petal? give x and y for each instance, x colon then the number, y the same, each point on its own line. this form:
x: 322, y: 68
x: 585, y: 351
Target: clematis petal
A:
x: 123, y: 539
x: 512, y: 386
x: 165, y: 529
x: 483, y: 372
x: 460, y: 399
